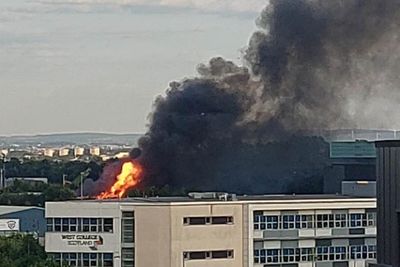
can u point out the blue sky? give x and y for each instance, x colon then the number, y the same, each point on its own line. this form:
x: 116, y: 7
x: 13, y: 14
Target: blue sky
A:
x: 97, y: 65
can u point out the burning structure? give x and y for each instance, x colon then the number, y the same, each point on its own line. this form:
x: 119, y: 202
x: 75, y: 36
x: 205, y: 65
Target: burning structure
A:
x: 312, y: 65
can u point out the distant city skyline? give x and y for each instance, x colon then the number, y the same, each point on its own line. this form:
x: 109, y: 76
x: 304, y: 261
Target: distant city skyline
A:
x: 96, y: 66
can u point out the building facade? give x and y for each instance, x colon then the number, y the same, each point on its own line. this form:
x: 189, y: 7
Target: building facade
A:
x: 388, y: 187
x: 251, y: 231
x: 16, y: 219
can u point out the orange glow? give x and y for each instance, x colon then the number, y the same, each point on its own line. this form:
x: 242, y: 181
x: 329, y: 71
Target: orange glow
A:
x: 128, y: 177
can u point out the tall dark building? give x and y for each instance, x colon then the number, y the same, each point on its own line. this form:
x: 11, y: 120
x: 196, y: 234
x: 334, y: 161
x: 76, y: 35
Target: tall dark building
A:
x: 388, y: 194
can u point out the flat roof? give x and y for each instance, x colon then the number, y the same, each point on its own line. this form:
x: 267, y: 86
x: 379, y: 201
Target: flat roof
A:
x: 239, y: 198
x: 12, y: 209
x: 388, y: 143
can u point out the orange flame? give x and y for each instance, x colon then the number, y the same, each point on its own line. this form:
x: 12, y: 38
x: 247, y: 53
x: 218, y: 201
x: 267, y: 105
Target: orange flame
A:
x: 128, y: 177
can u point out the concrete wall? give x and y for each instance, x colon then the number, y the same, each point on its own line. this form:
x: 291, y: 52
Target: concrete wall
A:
x: 186, y: 238
x: 152, y: 236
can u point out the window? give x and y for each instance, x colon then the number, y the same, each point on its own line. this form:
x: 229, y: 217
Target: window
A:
x: 128, y: 227
x: 196, y: 255
x: 209, y: 255
x: 79, y: 225
x: 85, y: 225
x: 108, y: 225
x: 65, y: 224
x: 73, y: 225
x: 208, y: 220
x: 363, y: 252
x: 371, y: 219
x: 340, y: 220
x: 108, y: 260
x: 288, y: 254
x: 371, y: 252
x: 221, y: 220
x: 222, y: 254
x: 57, y: 224
x: 288, y: 222
x: 304, y: 222
x: 323, y: 220
x: 322, y: 253
x: 259, y: 256
x: 197, y: 220
x: 272, y: 255
x: 93, y: 224
x: 271, y: 222
x: 128, y: 257
x: 305, y: 254
x: 83, y: 259
x: 50, y: 226
x: 358, y: 220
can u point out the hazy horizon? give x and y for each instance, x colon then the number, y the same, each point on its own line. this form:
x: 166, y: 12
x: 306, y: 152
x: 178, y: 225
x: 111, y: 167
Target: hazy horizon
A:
x: 96, y: 66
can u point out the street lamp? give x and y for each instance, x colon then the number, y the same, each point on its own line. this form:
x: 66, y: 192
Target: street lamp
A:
x: 3, y: 172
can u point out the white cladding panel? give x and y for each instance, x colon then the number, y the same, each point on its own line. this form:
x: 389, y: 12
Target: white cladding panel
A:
x: 82, y: 242
x: 9, y: 224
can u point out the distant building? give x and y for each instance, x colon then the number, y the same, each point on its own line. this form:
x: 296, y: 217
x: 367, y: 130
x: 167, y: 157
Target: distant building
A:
x: 214, y: 230
x: 388, y: 181
x: 79, y: 151
x: 16, y: 219
x: 30, y: 180
x: 63, y: 152
x: 4, y: 152
x: 94, y: 151
x: 49, y: 152
x: 349, y: 161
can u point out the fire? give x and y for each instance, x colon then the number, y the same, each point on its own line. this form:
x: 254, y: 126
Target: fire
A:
x: 128, y: 177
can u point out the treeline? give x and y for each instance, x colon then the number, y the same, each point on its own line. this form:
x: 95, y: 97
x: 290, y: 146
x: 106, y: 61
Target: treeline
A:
x: 53, y: 170
x: 25, y: 194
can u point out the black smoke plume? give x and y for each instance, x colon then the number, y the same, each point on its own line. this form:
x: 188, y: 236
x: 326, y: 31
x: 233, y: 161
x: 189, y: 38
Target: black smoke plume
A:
x: 313, y: 65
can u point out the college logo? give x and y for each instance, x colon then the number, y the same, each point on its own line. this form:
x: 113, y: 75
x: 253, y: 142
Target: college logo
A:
x: 11, y: 224
x: 97, y: 243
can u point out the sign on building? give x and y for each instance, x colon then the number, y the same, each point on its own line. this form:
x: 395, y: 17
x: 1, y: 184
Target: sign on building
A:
x: 9, y: 224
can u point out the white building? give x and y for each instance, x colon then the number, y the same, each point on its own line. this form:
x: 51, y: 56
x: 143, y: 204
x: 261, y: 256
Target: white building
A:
x: 214, y: 230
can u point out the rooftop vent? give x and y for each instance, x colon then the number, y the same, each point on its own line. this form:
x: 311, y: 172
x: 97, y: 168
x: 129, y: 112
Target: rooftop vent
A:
x: 212, y: 196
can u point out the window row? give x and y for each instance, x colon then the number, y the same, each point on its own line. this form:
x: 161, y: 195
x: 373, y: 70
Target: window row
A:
x: 341, y: 220
x: 208, y: 220
x: 206, y: 255
x: 97, y: 225
x: 291, y: 255
x: 83, y: 259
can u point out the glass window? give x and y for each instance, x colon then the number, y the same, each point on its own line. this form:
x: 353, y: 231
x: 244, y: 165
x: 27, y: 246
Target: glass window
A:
x: 49, y: 224
x: 272, y: 255
x: 108, y: 260
x: 128, y: 227
x: 197, y: 255
x: 85, y: 225
x: 288, y: 255
x: 371, y: 219
x: 222, y: 220
x: 288, y: 222
x: 108, y: 225
x: 197, y: 220
x: 358, y: 220
x: 57, y: 224
x: 73, y: 225
x: 128, y: 257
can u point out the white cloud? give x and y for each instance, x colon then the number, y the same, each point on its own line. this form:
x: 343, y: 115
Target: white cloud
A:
x: 207, y: 5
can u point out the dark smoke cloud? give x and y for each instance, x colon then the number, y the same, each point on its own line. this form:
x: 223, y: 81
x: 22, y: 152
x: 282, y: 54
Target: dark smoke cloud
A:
x: 313, y: 65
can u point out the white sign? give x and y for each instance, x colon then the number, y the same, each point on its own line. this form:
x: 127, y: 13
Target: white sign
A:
x: 9, y: 224
x: 83, y: 240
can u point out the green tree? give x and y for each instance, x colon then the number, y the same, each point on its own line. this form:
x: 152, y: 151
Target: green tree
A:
x: 23, y: 251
